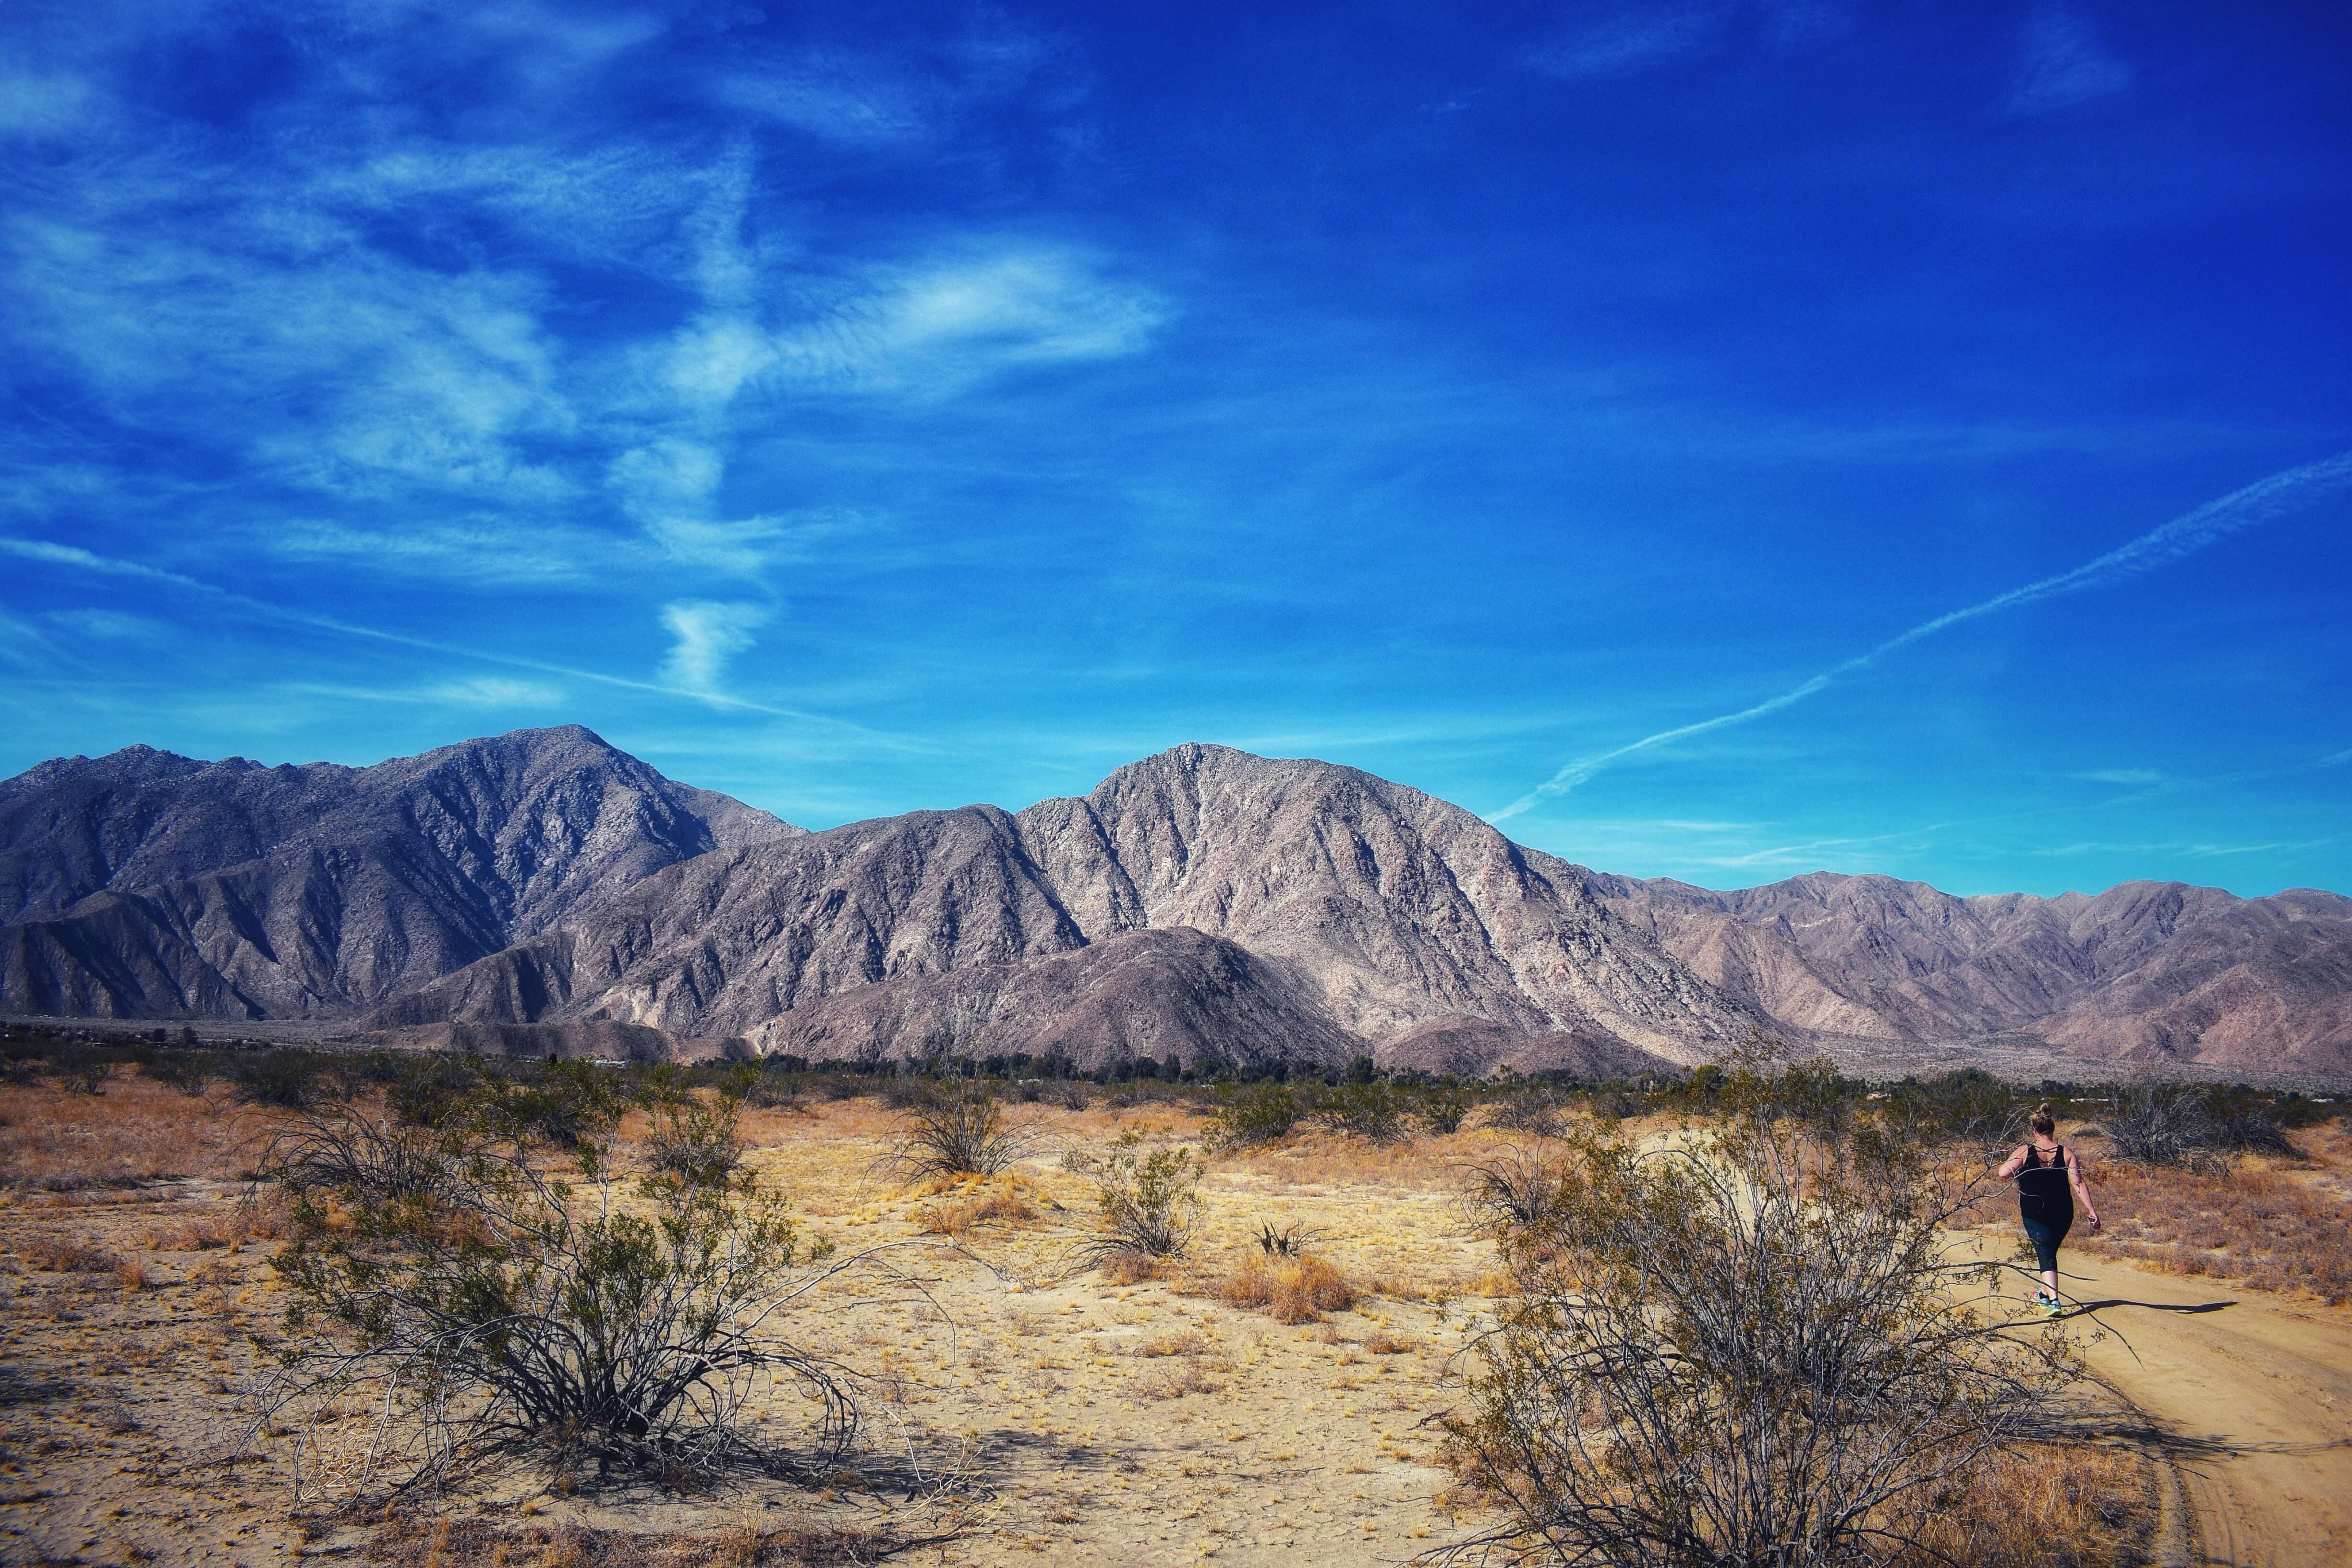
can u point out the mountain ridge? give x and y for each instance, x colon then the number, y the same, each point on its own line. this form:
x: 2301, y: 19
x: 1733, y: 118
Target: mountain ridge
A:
x: 1202, y: 900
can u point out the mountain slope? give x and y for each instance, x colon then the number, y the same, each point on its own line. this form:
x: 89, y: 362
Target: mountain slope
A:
x: 1204, y: 902
x: 2145, y: 969
x: 144, y: 884
x: 1388, y: 909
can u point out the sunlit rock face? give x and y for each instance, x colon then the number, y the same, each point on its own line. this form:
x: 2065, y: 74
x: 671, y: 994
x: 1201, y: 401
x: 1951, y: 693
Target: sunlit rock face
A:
x: 1203, y: 904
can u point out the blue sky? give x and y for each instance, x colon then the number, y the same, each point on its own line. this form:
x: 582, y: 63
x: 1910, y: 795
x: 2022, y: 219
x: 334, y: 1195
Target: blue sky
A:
x: 859, y: 408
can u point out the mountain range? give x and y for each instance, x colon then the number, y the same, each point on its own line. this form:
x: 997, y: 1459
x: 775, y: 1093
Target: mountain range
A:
x: 1203, y: 903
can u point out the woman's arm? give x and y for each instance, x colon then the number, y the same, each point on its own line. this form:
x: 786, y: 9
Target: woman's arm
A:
x: 2016, y: 1163
x: 2082, y: 1188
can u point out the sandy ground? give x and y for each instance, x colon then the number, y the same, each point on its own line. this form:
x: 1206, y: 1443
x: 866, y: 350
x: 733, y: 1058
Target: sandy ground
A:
x: 1092, y: 1421
x: 1146, y: 1422
x: 2257, y: 1389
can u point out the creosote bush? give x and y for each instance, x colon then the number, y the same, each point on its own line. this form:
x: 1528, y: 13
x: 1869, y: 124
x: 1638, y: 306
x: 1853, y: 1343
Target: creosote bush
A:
x: 491, y: 1288
x: 956, y: 1128
x: 2191, y: 1125
x: 285, y: 1077
x: 1254, y: 1115
x: 1441, y: 1108
x: 1148, y: 1202
x: 1511, y: 1192
x: 1752, y: 1345
x: 1368, y: 1109
x: 694, y: 1142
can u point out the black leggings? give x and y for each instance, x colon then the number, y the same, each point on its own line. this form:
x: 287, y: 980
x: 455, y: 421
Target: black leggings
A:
x: 2045, y: 1235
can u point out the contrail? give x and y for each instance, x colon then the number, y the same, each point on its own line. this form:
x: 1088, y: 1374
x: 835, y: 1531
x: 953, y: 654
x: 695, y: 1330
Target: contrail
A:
x: 2258, y: 502
x: 90, y: 560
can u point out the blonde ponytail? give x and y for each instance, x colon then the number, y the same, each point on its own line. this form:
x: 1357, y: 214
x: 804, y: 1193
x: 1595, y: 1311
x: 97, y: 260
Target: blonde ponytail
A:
x: 2043, y: 1121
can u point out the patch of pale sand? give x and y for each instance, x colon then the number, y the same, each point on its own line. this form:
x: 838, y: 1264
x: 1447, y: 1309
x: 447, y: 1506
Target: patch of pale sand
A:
x: 1148, y: 1421
x: 2263, y: 1384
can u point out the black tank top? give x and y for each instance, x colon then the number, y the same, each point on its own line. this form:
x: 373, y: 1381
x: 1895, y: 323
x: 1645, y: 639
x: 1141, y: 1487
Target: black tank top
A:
x: 2042, y: 1191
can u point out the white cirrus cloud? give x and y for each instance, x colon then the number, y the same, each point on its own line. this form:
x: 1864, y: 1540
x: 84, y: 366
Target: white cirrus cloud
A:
x: 494, y: 691
x: 485, y: 550
x: 2065, y: 64
x: 1627, y: 36
x: 112, y: 625
x: 710, y: 633
x: 938, y: 327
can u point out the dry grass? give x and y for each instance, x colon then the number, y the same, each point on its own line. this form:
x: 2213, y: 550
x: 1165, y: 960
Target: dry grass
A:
x: 68, y: 1255
x: 137, y: 1131
x: 2070, y: 1507
x: 466, y: 1544
x: 2271, y: 1229
x: 971, y: 1201
x: 1294, y: 1289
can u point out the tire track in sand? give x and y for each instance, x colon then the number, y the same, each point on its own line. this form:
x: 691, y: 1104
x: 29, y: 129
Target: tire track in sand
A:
x: 2260, y: 1390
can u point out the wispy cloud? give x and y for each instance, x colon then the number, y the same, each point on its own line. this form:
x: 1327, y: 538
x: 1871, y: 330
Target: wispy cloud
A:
x: 486, y: 548
x: 708, y: 634
x: 940, y: 326
x: 720, y: 631
x: 1603, y: 38
x: 2131, y: 777
x: 2280, y: 494
x: 112, y: 625
x: 2065, y: 64
x: 1626, y: 37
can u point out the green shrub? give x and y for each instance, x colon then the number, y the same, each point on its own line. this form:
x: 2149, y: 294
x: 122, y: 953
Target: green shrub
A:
x: 1758, y: 1345
x: 489, y: 1306
x: 956, y: 1128
x: 1442, y: 1106
x: 1150, y: 1201
x: 1254, y: 1115
x: 1363, y: 1109
x: 288, y: 1079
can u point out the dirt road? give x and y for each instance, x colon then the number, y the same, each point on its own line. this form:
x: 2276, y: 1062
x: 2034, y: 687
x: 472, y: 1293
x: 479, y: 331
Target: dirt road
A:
x: 2261, y: 1392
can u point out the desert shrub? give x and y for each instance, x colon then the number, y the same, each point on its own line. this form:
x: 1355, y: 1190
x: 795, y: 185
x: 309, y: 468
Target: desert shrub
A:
x: 1254, y: 1115
x: 1510, y: 1193
x: 2191, y: 1125
x: 1442, y: 1106
x: 1970, y: 1108
x: 78, y: 1071
x: 327, y: 1154
x: 428, y: 1088
x: 1294, y: 1289
x: 185, y: 1071
x: 1148, y: 1202
x: 2243, y: 1125
x: 1751, y: 1346
x: 694, y: 1142
x: 564, y: 1104
x: 1532, y: 1107
x: 287, y: 1079
x: 1285, y: 1241
x: 509, y: 1309
x: 774, y: 1087
x: 1368, y: 1109
x: 957, y: 1129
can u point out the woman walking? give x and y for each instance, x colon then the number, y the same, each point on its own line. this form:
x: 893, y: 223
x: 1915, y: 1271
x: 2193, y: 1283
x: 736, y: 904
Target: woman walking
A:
x: 2049, y: 1178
